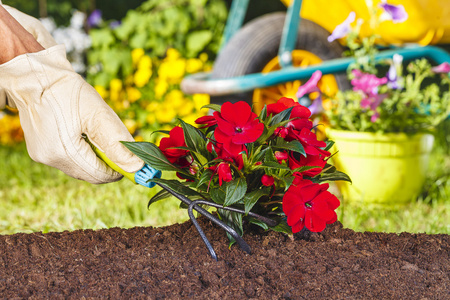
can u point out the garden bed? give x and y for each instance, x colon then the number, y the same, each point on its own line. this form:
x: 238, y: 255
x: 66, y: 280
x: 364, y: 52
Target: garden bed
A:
x: 172, y: 262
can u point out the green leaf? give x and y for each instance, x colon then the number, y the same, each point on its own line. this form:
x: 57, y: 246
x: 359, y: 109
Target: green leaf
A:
x: 282, y: 227
x: 177, y: 186
x: 259, y: 223
x: 251, y: 198
x: 195, y: 141
x: 270, y: 157
x: 337, y: 175
x: 263, y: 114
x: 295, y: 146
x: 288, y: 181
x: 151, y: 155
x: 218, y: 195
x: 304, y: 168
x: 274, y: 165
x: 161, y: 195
x: 215, y: 107
x: 281, y: 117
x: 196, y: 41
x: 260, y: 153
x: 329, y: 145
x: 235, y: 191
x: 234, y: 220
x: 205, y: 177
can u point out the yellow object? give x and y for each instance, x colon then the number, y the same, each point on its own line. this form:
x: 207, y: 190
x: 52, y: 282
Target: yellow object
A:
x: 428, y: 20
x: 300, y: 58
x: 109, y: 162
x: 385, y: 169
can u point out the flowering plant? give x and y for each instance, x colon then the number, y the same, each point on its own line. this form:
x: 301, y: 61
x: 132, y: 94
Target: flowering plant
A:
x: 386, y: 96
x: 271, y: 165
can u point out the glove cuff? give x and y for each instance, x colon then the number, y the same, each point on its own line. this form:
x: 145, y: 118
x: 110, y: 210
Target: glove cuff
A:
x: 28, y: 75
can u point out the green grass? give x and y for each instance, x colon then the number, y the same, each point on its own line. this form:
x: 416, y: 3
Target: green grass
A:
x: 35, y: 197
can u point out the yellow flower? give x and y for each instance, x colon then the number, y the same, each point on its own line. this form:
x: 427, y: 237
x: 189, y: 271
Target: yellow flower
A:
x: 136, y: 55
x: 172, y: 54
x: 172, y: 71
x: 114, y: 95
x: 203, y: 57
x: 161, y: 88
x: 194, y: 65
x: 101, y: 91
x: 186, y: 109
x: 200, y: 100
x: 131, y: 125
x: 142, y: 76
x: 115, y: 84
x: 10, y: 130
x: 152, y: 106
x: 151, y: 119
x: 190, y: 119
x: 165, y: 114
x: 138, y: 138
x: 174, y: 98
x: 133, y: 94
x: 145, y: 62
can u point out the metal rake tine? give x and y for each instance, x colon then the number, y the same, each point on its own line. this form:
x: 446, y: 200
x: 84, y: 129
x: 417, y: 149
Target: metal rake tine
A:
x: 266, y: 220
x: 202, y: 234
x: 244, y: 246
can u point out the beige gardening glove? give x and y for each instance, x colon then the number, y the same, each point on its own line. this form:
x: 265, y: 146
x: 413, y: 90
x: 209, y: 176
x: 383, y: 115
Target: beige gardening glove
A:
x: 56, y: 106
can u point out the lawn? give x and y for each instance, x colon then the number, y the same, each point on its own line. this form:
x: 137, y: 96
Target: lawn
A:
x: 35, y: 197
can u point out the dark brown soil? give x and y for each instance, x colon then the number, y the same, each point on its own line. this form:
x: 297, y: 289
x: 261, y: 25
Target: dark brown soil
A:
x: 172, y: 262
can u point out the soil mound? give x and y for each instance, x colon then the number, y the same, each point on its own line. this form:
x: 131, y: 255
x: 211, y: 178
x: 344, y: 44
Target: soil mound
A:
x: 172, y: 262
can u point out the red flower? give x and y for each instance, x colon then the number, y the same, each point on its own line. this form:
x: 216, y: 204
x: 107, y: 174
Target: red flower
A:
x: 309, y: 141
x: 309, y: 204
x: 229, y: 152
x: 299, y: 111
x: 310, y: 161
x: 224, y: 171
x: 238, y: 122
x: 267, y: 180
x: 208, y: 121
x: 300, y: 115
x: 176, y: 156
x: 281, y: 155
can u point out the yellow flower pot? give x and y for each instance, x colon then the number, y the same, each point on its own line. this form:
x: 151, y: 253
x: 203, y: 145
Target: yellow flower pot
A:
x: 386, y: 169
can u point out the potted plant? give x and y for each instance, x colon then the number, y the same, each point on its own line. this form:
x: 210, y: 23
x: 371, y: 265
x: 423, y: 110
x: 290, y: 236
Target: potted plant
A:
x: 383, y: 126
x: 271, y: 165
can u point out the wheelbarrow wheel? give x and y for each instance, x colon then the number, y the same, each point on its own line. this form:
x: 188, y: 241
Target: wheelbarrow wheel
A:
x: 254, y: 48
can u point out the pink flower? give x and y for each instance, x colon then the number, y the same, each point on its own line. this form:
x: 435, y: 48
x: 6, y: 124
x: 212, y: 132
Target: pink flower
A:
x: 238, y: 122
x: 310, y: 205
x: 367, y: 83
x: 267, y: 180
x: 310, y: 87
x: 442, y: 68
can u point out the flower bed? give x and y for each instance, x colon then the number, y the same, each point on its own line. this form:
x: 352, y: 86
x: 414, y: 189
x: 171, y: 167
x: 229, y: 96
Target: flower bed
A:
x: 172, y: 262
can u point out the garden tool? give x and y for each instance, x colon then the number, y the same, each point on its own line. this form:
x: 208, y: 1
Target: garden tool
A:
x: 147, y: 173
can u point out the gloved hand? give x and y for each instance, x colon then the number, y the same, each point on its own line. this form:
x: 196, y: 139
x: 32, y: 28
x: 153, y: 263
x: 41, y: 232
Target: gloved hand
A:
x: 56, y: 106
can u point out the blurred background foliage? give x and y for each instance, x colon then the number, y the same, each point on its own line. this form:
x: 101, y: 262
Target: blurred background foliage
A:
x: 138, y: 53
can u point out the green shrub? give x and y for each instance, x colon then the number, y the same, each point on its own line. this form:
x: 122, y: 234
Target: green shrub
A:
x: 138, y: 66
